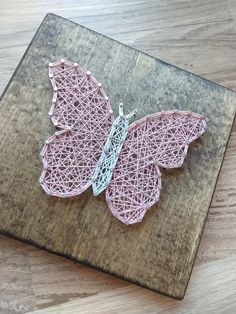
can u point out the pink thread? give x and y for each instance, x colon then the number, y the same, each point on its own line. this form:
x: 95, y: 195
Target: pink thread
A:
x: 81, y: 109
x: 160, y: 139
x: 82, y: 112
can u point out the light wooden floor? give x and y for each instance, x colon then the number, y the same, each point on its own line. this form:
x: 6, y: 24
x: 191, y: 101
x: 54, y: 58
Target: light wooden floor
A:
x: 199, y: 36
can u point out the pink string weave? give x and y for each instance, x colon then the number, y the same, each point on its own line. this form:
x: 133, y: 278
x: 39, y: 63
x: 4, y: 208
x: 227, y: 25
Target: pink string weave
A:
x: 82, y: 113
x: 160, y: 139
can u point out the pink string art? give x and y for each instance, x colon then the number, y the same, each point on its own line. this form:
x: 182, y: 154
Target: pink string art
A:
x: 88, y: 136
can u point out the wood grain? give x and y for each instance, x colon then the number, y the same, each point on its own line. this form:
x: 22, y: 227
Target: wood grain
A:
x: 206, y: 48
x: 33, y: 278
x: 195, y: 35
x: 158, y: 253
x: 131, y: 300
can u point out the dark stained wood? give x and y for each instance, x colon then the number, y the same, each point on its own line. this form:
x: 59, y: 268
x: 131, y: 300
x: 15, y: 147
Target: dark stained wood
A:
x: 158, y: 253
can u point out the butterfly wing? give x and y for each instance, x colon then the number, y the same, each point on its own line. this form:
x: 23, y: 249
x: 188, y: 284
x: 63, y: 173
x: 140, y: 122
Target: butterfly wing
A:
x: 160, y: 139
x: 82, y: 112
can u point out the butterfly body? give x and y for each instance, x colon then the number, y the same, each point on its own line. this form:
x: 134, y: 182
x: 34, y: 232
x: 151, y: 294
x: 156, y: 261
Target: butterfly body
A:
x: 93, y: 148
x: 110, y: 154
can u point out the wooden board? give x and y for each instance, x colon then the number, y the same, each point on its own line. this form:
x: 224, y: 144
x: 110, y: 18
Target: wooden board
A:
x: 204, y: 296
x: 158, y: 253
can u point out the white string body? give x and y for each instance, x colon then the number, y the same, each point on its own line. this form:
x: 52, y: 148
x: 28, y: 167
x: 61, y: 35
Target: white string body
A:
x: 111, y: 151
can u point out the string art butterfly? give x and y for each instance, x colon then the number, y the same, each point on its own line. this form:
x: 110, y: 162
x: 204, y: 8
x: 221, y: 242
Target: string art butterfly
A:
x: 91, y: 147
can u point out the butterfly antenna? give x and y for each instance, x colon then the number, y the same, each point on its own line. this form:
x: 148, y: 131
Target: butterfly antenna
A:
x: 121, y: 109
x: 121, y: 112
x: 131, y: 114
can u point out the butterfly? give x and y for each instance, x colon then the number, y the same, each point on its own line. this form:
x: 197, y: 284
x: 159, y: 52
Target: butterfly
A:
x: 91, y: 147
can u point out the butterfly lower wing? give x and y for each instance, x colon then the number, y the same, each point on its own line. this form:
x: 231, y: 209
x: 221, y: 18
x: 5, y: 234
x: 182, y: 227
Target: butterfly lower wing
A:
x: 160, y: 139
x: 82, y: 112
x: 133, y: 189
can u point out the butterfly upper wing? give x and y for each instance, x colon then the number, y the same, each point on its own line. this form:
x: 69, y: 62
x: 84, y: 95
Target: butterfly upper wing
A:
x: 82, y: 112
x: 160, y: 139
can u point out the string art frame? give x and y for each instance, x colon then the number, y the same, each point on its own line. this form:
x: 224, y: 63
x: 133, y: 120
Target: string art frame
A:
x: 92, y: 148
